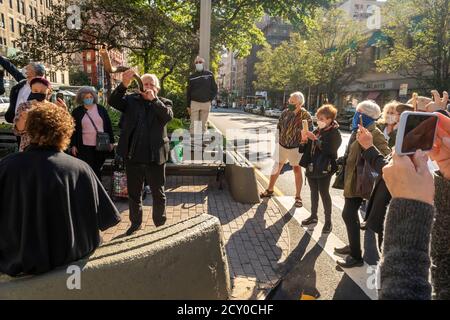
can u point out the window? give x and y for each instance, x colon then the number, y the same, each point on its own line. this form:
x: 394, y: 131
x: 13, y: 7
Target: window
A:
x: 2, y: 21
x: 11, y: 20
x: 52, y: 76
x: 88, y: 68
x: 31, y: 11
x: 63, y: 77
x: 18, y: 6
x: 22, y: 4
x: 35, y: 14
x: 11, y: 4
x: 88, y: 56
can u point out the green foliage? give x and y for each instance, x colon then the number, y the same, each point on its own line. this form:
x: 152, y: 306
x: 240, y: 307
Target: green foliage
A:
x: 420, y: 32
x: 316, y: 57
x: 177, y: 124
x: 6, y: 126
x: 114, y: 115
x: 79, y: 77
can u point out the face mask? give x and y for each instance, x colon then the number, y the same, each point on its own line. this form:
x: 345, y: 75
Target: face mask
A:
x: 88, y: 101
x: 367, y: 121
x: 321, y: 124
x: 199, y: 66
x: 291, y: 107
x: 391, y: 119
x: 37, y: 96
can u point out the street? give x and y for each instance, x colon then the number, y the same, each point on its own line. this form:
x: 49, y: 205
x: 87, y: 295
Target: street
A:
x: 226, y: 119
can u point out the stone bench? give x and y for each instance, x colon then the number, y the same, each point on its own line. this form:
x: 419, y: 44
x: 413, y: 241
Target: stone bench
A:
x: 186, y: 260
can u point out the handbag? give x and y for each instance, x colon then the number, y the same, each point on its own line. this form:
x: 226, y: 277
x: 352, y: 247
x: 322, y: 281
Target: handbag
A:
x: 365, y: 178
x: 102, y: 141
x: 340, y: 178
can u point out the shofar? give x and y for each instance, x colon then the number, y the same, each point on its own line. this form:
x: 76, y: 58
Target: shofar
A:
x: 110, y: 69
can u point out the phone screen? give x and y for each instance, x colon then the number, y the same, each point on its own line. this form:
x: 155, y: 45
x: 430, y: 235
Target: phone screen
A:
x: 59, y: 96
x: 419, y: 133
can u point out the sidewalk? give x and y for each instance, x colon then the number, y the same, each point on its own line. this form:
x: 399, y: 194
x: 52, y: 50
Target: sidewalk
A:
x: 257, y: 237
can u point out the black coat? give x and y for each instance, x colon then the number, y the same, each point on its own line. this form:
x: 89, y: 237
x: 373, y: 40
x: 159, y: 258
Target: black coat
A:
x: 202, y: 87
x: 20, y: 78
x: 132, y: 106
x: 52, y: 206
x: 78, y: 114
x: 322, y: 154
x: 380, y: 196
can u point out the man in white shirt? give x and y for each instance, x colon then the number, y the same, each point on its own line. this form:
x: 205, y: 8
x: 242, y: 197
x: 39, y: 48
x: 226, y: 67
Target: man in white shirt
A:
x: 21, y: 91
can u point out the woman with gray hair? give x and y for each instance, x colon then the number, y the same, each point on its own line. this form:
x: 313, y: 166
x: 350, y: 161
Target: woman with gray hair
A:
x: 90, y: 119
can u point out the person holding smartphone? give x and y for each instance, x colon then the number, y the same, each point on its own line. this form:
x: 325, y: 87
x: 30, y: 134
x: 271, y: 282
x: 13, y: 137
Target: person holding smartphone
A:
x: 419, y: 197
x: 319, y: 160
x: 290, y: 127
x: 367, y: 112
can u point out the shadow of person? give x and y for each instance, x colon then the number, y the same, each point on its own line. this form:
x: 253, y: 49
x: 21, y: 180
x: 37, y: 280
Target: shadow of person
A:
x: 255, y: 250
x: 300, y: 282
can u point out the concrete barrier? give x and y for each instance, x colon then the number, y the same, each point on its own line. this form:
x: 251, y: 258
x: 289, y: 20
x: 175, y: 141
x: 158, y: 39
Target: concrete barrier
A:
x: 186, y: 260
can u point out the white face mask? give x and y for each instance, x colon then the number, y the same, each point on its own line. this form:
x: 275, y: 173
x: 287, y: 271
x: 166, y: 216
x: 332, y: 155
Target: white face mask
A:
x: 199, y: 66
x: 391, y: 119
x: 321, y: 124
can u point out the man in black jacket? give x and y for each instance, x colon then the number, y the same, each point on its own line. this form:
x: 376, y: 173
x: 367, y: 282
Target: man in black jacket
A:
x: 21, y: 91
x: 143, y: 144
x: 201, y: 91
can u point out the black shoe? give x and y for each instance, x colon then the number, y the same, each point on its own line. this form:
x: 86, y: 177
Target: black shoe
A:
x: 327, y: 227
x: 159, y: 222
x: 308, y: 221
x: 133, y: 229
x: 350, y: 262
x: 343, y: 250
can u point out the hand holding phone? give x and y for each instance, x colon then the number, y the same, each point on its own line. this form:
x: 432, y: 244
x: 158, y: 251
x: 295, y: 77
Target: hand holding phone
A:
x: 416, y: 131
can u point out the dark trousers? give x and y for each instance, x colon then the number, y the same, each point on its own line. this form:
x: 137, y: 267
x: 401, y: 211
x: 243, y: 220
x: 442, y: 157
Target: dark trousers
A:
x: 351, y: 219
x: 95, y: 159
x: 320, y: 186
x: 155, y: 175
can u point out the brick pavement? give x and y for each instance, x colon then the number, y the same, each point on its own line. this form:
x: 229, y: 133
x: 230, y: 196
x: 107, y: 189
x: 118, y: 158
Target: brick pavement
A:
x: 256, y: 237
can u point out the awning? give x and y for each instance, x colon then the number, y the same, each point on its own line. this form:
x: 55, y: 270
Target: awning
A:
x: 373, y: 95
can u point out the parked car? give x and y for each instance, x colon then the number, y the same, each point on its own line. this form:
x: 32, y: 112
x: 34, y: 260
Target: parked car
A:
x: 345, y: 117
x: 268, y: 112
x: 4, y: 104
x: 249, y: 107
x: 276, y: 113
x: 258, y: 110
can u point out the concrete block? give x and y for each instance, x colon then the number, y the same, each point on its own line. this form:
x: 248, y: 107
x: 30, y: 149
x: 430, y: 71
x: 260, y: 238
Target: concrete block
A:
x: 186, y: 260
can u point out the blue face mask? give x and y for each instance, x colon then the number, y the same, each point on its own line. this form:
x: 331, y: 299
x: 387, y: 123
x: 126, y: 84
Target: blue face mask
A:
x: 367, y: 121
x: 88, y: 101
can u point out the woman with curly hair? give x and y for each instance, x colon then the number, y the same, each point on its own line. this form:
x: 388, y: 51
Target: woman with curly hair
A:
x: 54, y: 204
x: 41, y: 89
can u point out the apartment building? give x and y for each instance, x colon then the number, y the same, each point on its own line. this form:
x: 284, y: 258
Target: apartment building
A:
x: 14, y: 15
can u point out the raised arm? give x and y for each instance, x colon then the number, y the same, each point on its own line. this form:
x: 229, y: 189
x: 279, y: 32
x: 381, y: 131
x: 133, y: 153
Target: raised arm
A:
x: 11, y: 69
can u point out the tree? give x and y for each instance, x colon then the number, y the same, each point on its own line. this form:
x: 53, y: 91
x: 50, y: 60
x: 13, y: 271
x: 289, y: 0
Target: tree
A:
x: 420, y: 33
x: 318, y: 57
x: 79, y: 77
x: 162, y: 35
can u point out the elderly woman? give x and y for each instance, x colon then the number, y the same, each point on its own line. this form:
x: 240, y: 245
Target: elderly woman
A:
x: 90, y: 118
x: 319, y: 160
x: 388, y: 122
x: 41, y: 90
x: 54, y: 205
x: 358, y: 182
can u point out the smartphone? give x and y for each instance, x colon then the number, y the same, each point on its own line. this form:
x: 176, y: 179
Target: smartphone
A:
x: 305, y: 126
x: 416, y: 130
x: 59, y: 95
